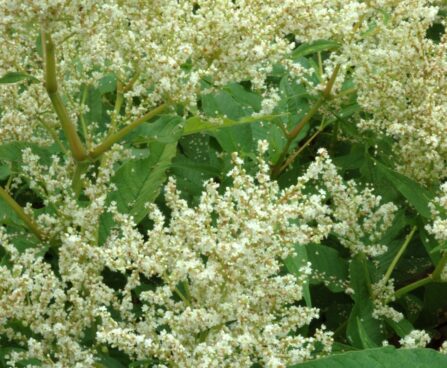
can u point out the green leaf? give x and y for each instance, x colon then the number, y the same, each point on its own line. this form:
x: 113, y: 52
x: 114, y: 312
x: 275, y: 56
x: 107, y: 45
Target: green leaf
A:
x: 364, y: 337
x: 97, y: 112
x: 26, y: 363
x: 434, y: 303
x: 4, y: 351
x: 12, y: 152
x: 293, y: 265
x: 198, y: 147
x: 371, y: 174
x: 294, y: 103
x: 273, y: 133
x: 14, y: 77
x: 4, y: 172
x: 329, y: 268
x: 387, y: 357
x: 191, y: 175
x: 142, y: 363
x: 197, y: 125
x: 402, y: 328
x: 244, y: 97
x: 166, y: 129
x: 7, y: 215
x: 431, y: 245
x: 416, y: 195
x: 139, y: 181
x: 109, y: 362
x: 107, y: 84
x: 363, y: 331
x: 314, y: 47
x: 360, y: 279
x: 233, y: 138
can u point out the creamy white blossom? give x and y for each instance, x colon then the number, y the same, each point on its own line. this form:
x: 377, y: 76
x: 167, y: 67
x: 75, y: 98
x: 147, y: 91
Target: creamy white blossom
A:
x: 218, y: 296
x: 383, y: 294
x: 415, y: 339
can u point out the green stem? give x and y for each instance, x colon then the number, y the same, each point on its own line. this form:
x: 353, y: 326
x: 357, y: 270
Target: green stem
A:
x: 82, y: 119
x: 414, y: 285
x: 295, y: 131
x: 116, y: 137
x: 276, y: 169
x: 434, y: 277
x: 399, y: 254
x: 21, y: 213
x: 118, y: 104
x: 76, y: 146
x: 320, y: 63
x: 331, y: 82
x: 76, y: 183
x: 295, y: 154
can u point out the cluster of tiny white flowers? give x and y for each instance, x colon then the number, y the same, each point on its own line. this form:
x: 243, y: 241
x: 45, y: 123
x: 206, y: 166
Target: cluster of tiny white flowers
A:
x: 400, y: 79
x: 218, y: 295
x: 169, y: 51
x: 57, y: 302
x: 443, y: 348
x: 57, y: 309
x: 360, y: 220
x: 163, y: 52
x: 415, y: 339
x: 382, y: 295
x: 225, y: 254
x: 438, y: 226
x: 160, y: 52
x: 438, y: 207
x: 54, y: 185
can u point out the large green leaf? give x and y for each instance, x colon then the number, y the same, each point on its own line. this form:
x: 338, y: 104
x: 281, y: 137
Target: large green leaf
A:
x: 106, y: 361
x: 138, y: 182
x: 196, y: 124
x: 363, y: 331
x: 97, y: 109
x: 7, y: 215
x: 12, y: 151
x: 191, y: 175
x: 329, y: 268
x: 232, y: 138
x: 387, y: 357
x: 4, y: 172
x: 107, y: 84
x: 401, y: 328
x: 294, y: 103
x: 166, y: 129
x: 244, y: 97
x: 416, y: 195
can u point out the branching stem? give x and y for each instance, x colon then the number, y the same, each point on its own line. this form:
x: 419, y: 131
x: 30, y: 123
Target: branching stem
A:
x: 116, y: 137
x: 21, y: 213
x: 278, y: 167
x: 76, y: 146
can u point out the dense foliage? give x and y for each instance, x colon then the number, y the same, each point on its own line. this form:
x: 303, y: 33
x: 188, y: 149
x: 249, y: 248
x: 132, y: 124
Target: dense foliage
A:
x: 226, y: 183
